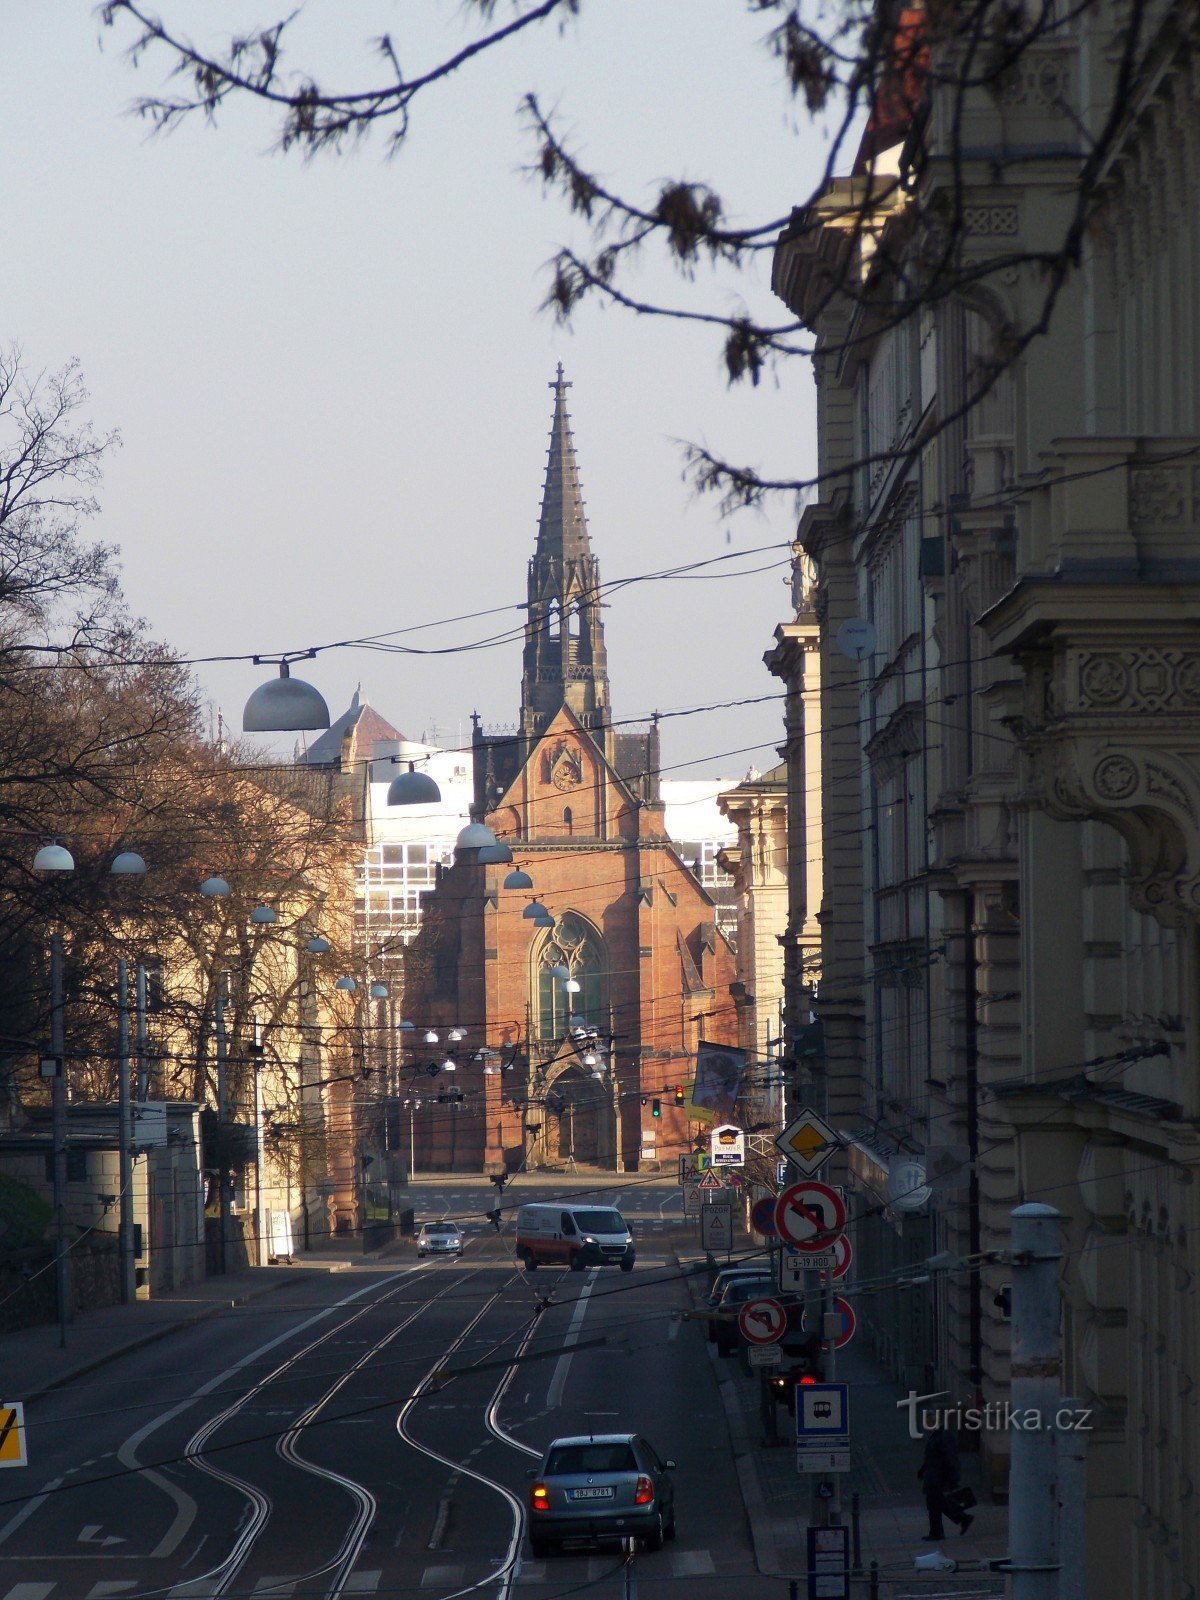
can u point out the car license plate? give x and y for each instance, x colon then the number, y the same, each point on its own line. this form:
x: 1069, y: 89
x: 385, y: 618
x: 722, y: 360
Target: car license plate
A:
x: 591, y: 1494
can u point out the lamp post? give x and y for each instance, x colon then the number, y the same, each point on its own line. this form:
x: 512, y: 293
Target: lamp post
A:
x: 58, y: 1135
x: 125, y: 1255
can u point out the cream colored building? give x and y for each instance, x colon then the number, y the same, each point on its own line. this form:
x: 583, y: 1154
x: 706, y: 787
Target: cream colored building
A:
x: 757, y: 862
x: 1011, y: 771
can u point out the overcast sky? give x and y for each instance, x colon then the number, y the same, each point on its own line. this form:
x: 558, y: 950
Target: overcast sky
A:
x: 331, y: 377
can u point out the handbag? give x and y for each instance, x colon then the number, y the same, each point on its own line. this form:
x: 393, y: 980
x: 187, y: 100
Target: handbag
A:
x: 961, y: 1499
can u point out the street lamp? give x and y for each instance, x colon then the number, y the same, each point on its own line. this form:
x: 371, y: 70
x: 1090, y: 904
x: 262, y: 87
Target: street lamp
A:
x: 264, y: 916
x: 54, y: 858
x: 413, y: 788
x: 214, y: 888
x: 346, y: 984
x: 518, y: 878
x: 284, y: 704
x: 318, y: 946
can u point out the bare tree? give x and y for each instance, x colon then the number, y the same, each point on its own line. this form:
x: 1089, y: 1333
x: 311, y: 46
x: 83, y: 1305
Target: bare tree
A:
x: 876, y: 73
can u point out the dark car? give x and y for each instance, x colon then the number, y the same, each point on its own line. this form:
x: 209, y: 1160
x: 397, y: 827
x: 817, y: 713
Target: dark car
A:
x: 601, y: 1486
x: 725, y: 1276
x: 733, y: 1298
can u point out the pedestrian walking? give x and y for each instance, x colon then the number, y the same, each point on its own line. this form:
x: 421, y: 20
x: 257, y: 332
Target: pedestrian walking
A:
x: 939, y: 1474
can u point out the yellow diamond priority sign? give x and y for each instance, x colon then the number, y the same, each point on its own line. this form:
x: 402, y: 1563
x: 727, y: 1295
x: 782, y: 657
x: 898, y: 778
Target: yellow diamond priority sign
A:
x: 12, y: 1434
x: 807, y: 1142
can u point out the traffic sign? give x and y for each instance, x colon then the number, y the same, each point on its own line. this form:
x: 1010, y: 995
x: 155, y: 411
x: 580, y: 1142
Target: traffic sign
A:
x: 762, y: 1321
x: 823, y: 1411
x: 828, y: 1552
x: 691, y: 1199
x: 823, y: 1427
x: 808, y: 1215
x: 840, y: 1323
x: 834, y: 1259
x: 808, y: 1142
x: 710, y: 1181
x: 12, y: 1434
x: 762, y: 1217
x: 716, y: 1228
x: 764, y: 1355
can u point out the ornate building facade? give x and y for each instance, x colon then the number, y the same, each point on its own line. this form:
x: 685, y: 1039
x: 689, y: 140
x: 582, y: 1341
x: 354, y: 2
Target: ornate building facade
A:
x: 578, y: 1034
x: 1012, y: 957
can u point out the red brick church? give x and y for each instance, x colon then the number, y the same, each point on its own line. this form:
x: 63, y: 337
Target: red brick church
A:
x: 579, y: 1022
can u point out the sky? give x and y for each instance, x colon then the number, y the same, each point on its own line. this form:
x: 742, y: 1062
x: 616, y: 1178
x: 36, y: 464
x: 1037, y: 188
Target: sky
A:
x: 331, y: 376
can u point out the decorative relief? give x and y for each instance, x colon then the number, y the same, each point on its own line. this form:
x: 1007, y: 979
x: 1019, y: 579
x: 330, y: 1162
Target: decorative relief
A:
x: 991, y: 221
x: 564, y: 766
x: 1164, y: 785
x: 1104, y: 681
x: 1115, y: 778
x: 1039, y: 80
x: 1156, y: 497
x: 1139, y: 681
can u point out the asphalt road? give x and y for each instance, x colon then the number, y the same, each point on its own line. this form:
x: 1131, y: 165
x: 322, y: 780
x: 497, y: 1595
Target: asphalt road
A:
x: 369, y: 1433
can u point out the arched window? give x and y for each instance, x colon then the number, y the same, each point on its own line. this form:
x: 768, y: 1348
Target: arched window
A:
x: 568, y: 821
x: 573, y: 621
x: 575, y: 945
x: 553, y: 619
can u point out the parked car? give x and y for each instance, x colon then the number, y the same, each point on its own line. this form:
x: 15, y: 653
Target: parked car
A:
x: 601, y: 1486
x: 724, y: 1277
x: 440, y: 1239
x: 574, y: 1236
x: 733, y: 1298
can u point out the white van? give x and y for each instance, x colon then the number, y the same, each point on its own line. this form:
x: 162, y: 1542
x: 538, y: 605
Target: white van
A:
x: 574, y: 1236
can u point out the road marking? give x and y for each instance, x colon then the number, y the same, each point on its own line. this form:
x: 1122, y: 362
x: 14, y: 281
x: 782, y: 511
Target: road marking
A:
x: 29, y: 1591
x: 275, y: 1586
x: 362, y: 1582
x: 103, y: 1591
x: 440, y: 1577
x: 691, y: 1563
x: 554, y: 1393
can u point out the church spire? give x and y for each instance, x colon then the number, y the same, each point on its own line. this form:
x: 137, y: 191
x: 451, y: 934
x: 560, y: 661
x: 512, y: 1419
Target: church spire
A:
x: 565, y: 661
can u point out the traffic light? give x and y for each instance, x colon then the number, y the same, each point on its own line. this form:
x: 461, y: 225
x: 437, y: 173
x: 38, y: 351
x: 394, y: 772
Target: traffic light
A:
x: 680, y: 1097
x: 808, y: 1366
x: 656, y: 1108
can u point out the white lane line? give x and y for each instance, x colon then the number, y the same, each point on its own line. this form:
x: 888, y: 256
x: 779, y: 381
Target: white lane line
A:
x: 363, y: 1582
x: 562, y: 1366
x: 29, y: 1591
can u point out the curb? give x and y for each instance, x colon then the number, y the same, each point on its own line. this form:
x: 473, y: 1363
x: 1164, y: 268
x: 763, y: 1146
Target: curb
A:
x: 742, y: 1445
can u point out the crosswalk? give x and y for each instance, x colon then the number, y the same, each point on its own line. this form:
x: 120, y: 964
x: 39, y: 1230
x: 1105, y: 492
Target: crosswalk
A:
x: 436, y: 1578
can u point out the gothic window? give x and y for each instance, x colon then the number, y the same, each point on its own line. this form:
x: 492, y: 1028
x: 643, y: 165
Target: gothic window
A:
x: 577, y: 946
x: 553, y: 619
x: 568, y: 821
x: 573, y: 621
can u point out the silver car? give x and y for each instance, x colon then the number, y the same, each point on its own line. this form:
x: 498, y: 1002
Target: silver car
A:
x: 601, y: 1486
x: 440, y: 1239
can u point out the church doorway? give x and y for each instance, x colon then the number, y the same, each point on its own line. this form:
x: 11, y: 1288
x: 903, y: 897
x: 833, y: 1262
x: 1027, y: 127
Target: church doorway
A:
x: 578, y: 1120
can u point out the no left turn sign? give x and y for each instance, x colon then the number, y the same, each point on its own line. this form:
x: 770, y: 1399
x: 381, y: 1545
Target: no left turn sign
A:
x: 808, y: 1215
x: 762, y: 1321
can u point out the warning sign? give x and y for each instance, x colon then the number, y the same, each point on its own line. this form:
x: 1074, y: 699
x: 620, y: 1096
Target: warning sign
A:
x: 12, y: 1434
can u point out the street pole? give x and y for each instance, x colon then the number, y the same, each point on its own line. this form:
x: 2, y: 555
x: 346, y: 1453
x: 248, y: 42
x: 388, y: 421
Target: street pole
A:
x: 125, y: 1260
x: 222, y: 1130
x: 58, y: 1136
x: 143, y: 1047
x: 1070, y: 1445
x: 1036, y: 1387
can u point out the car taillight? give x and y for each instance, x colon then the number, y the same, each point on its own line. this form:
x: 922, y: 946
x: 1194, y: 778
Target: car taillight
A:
x: 807, y: 1379
x: 540, y: 1497
x: 644, y: 1493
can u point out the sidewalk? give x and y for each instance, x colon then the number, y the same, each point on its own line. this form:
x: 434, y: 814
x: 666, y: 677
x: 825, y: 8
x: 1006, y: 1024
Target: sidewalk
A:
x: 883, y: 1475
x: 32, y: 1362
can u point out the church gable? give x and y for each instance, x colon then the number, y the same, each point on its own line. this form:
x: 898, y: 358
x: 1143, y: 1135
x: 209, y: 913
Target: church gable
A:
x: 566, y: 789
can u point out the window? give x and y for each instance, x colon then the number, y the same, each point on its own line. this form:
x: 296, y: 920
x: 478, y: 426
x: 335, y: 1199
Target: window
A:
x: 576, y: 945
x: 568, y: 820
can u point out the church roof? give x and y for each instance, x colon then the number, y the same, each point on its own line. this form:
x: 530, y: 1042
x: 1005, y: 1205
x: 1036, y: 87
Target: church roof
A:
x: 359, y: 719
x: 562, y: 527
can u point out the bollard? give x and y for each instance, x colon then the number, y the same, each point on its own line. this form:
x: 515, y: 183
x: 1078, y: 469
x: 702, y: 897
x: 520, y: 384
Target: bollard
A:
x: 855, y: 1537
x: 873, y: 1592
